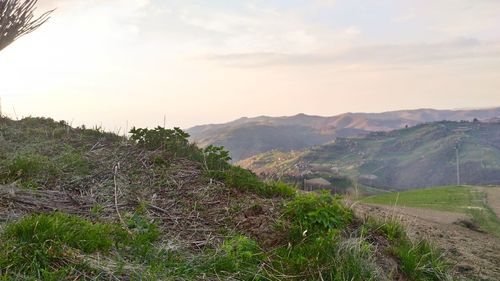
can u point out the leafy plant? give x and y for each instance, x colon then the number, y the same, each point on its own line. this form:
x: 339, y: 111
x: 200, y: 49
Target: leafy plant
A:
x: 173, y: 140
x: 144, y: 234
x: 215, y: 158
x: 239, y: 254
x: 316, y: 213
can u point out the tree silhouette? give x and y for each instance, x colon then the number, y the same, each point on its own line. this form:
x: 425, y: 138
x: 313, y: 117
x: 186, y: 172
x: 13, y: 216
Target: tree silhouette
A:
x: 17, y: 19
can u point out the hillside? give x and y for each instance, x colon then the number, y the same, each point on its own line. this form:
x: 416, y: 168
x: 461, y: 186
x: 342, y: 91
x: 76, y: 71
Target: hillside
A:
x: 246, y: 137
x: 83, y: 204
x: 419, y: 156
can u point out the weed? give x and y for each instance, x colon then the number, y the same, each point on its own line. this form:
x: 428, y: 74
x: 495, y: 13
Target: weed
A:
x: 420, y: 260
x: 29, y: 169
x: 72, y: 161
x: 96, y: 210
x: 391, y: 229
x: 327, y: 257
x: 144, y: 234
x: 26, y: 166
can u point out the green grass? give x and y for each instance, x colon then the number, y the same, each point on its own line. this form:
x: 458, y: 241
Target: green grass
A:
x: 449, y: 198
x: 417, y: 258
x: 458, y: 199
x: 54, y: 247
x: 43, y: 245
x: 242, y: 179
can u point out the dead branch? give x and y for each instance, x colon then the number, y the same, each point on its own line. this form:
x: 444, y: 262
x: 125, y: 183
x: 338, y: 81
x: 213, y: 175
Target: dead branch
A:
x: 17, y: 18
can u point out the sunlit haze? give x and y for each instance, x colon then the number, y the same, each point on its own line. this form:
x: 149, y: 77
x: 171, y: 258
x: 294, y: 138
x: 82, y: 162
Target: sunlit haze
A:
x: 118, y: 62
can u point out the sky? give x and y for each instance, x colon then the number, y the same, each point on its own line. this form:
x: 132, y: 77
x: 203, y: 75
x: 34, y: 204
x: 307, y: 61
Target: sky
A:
x: 123, y: 63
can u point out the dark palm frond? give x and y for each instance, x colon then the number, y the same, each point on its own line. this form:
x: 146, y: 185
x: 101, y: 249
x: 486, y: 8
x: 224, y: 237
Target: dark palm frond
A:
x: 17, y: 18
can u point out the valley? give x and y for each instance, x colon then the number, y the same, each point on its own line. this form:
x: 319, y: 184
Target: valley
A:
x: 421, y: 156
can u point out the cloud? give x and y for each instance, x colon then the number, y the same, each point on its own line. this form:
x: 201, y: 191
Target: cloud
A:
x: 463, y: 49
x: 248, y: 28
x: 91, y: 4
x: 327, y: 3
x: 459, y: 17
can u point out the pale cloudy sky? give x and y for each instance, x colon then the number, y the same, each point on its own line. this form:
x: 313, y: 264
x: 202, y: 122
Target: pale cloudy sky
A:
x: 112, y: 61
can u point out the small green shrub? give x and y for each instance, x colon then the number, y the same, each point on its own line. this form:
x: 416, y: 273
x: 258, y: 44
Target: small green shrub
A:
x: 243, y: 179
x: 215, y: 158
x: 173, y: 140
x: 144, y: 234
x: 282, y: 189
x: 239, y: 254
x: 317, y: 248
x: 316, y: 214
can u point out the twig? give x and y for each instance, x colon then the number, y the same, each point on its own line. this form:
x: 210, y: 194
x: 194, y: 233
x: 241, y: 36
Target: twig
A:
x: 116, y: 199
x: 95, y: 145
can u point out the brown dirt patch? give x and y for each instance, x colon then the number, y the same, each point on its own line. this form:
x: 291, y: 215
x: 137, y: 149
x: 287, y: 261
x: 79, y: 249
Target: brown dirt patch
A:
x: 493, y: 198
x: 426, y: 214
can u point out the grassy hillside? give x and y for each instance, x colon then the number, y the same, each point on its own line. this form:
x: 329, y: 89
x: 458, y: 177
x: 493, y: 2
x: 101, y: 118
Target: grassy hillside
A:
x: 247, y: 137
x: 82, y: 204
x: 460, y: 199
x: 420, y: 156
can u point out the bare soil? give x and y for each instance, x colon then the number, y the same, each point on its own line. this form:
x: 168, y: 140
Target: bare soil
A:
x: 493, y: 198
x: 473, y: 254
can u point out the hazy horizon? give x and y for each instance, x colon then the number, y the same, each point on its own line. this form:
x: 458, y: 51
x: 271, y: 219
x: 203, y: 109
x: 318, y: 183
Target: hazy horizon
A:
x: 114, y: 62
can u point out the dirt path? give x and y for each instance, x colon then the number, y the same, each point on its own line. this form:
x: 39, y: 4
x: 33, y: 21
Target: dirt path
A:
x: 424, y: 214
x: 493, y: 198
x: 474, y: 254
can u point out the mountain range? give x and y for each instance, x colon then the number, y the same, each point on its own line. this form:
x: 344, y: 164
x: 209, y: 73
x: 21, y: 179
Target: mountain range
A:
x: 247, y: 137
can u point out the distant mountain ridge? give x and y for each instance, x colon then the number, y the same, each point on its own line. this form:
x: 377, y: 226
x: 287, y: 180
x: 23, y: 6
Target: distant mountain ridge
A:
x: 246, y: 137
x: 420, y: 156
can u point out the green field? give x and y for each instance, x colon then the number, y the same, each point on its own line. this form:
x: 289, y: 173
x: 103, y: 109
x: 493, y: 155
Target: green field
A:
x: 458, y: 199
x: 450, y: 198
